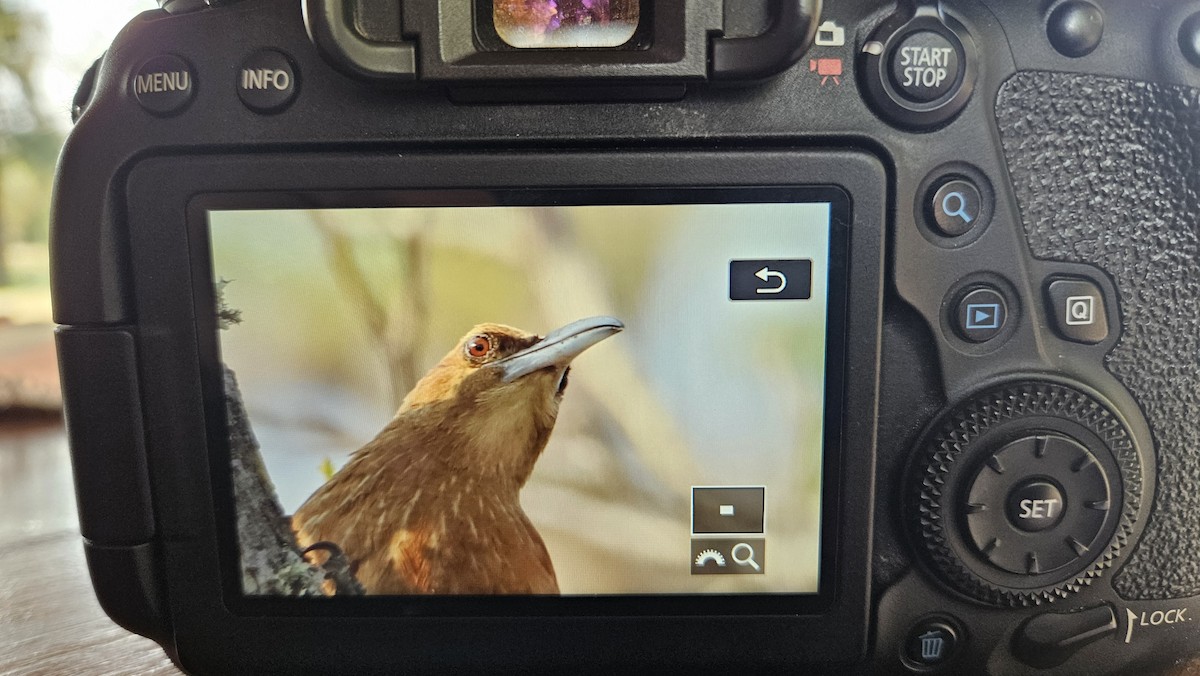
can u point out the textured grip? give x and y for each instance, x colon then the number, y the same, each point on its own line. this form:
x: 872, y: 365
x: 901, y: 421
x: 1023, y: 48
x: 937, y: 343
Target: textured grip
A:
x: 1106, y: 173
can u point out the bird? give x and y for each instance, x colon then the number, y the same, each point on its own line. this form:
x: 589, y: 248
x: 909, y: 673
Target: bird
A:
x: 431, y: 505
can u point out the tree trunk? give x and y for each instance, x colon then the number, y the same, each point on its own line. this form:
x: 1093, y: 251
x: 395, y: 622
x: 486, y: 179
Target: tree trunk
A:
x: 271, y: 560
x: 5, y: 277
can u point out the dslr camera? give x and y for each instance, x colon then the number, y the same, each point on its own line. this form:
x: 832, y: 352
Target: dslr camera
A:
x: 581, y: 335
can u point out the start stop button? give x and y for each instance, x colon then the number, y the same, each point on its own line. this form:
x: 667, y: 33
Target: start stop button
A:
x: 919, y: 70
x: 924, y: 66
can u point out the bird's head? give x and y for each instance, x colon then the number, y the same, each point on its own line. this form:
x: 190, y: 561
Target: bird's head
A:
x: 500, y: 387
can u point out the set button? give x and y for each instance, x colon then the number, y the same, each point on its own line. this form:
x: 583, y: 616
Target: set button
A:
x: 1035, y: 505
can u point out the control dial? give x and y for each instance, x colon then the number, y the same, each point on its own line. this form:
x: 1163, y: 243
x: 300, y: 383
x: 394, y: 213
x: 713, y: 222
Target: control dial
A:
x: 1037, y: 504
x: 1024, y: 494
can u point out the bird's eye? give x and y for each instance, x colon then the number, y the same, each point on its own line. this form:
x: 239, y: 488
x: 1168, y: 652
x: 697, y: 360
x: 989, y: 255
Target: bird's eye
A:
x: 479, y: 347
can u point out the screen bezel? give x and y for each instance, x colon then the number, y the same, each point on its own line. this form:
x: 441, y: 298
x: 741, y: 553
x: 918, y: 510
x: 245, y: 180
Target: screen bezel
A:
x: 840, y: 218
x: 153, y: 254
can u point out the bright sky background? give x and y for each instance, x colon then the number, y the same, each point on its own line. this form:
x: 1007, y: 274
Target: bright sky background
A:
x: 78, y: 32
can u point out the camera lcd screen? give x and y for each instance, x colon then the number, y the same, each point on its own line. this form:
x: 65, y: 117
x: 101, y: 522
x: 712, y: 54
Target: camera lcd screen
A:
x: 564, y: 24
x: 557, y: 394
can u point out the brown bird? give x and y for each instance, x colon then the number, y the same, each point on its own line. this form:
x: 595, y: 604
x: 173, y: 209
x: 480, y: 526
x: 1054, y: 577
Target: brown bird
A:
x: 431, y: 505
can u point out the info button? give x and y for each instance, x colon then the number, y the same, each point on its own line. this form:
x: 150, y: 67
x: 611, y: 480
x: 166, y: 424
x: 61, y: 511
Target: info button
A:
x: 267, y: 82
x: 728, y: 509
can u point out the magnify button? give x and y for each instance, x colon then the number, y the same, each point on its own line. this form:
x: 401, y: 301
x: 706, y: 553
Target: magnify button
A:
x: 956, y: 207
x: 743, y: 555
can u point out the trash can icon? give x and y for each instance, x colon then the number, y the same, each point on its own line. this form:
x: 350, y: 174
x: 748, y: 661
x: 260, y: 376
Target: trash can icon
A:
x: 933, y: 645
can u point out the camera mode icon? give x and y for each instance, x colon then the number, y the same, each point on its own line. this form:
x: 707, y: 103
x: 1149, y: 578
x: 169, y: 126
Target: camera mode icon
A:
x: 829, y: 34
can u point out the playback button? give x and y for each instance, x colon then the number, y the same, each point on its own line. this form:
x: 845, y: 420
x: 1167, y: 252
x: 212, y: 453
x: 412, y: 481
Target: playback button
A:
x: 981, y: 314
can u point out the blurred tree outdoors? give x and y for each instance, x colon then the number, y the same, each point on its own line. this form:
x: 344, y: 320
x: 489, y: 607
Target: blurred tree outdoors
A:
x: 28, y: 143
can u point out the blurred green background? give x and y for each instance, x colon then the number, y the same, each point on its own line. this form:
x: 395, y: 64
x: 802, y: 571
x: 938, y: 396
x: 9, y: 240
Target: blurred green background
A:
x: 343, y: 310
x: 29, y: 143
x: 45, y: 47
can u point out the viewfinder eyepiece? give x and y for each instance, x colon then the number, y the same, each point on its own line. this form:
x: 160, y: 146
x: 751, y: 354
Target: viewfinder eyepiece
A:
x: 566, y: 24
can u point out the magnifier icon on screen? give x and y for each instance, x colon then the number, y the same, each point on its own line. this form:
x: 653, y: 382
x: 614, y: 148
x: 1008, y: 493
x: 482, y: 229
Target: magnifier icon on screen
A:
x: 743, y: 555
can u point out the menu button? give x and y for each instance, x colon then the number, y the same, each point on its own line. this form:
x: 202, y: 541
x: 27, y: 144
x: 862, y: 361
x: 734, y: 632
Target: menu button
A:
x: 164, y: 85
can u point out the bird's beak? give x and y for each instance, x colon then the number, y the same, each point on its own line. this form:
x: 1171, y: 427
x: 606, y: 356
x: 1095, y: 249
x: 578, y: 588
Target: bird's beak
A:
x: 559, y: 347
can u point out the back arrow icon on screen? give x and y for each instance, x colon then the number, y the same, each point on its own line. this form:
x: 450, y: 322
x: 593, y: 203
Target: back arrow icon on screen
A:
x: 766, y: 274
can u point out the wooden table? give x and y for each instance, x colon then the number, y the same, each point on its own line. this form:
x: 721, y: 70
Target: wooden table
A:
x: 50, y: 622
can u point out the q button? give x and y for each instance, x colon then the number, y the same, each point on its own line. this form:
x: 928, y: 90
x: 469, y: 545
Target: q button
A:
x: 955, y: 206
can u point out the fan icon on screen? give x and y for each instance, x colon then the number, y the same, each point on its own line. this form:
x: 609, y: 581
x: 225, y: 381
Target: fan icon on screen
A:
x: 710, y: 555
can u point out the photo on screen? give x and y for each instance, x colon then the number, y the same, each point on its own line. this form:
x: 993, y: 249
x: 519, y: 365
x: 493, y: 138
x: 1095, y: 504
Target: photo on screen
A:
x: 607, y: 399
